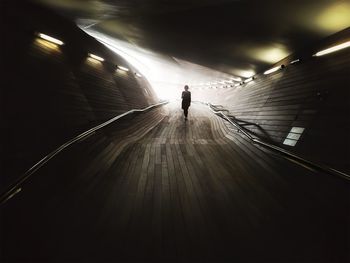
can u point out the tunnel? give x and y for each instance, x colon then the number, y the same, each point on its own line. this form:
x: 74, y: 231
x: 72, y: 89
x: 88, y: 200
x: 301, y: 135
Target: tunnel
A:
x: 100, y: 164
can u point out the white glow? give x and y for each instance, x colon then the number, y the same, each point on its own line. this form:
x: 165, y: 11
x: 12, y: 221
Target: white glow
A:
x: 333, y: 49
x: 138, y: 75
x: 51, y: 39
x: 166, y: 75
x: 272, y: 70
x: 162, y: 74
x: 96, y: 57
x: 152, y: 66
x: 123, y: 68
x: 236, y: 85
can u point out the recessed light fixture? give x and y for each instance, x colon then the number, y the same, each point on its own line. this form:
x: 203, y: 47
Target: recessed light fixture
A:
x: 295, y: 61
x: 96, y: 57
x: 248, y: 80
x: 237, y: 79
x: 333, y: 49
x: 273, y: 70
x: 123, y: 68
x: 51, y: 39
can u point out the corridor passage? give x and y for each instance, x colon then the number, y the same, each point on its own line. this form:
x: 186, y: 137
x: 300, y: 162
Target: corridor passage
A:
x: 156, y: 188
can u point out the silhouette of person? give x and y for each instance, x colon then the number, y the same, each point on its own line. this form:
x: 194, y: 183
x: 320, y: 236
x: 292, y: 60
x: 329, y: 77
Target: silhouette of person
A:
x: 186, y: 101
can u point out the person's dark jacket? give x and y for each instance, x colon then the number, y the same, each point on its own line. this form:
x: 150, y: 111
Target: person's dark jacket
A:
x: 186, y: 99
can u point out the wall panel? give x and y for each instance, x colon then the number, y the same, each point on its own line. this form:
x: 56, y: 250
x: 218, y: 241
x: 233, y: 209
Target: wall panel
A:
x: 313, y: 94
x: 52, y: 93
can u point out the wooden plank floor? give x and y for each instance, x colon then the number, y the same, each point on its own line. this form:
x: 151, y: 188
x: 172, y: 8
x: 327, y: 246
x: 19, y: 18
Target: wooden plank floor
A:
x: 182, y: 192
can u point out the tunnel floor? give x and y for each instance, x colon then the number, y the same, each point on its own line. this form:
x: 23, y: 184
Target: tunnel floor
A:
x: 190, y: 191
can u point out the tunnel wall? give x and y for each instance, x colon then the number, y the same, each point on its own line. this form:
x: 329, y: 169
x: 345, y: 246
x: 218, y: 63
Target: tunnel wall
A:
x: 312, y: 94
x: 52, y: 93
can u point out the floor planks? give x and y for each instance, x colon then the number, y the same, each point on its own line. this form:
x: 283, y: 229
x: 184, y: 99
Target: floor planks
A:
x: 181, y: 191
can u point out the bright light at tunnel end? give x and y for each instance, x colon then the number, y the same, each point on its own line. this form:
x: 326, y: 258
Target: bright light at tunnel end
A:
x: 167, y: 76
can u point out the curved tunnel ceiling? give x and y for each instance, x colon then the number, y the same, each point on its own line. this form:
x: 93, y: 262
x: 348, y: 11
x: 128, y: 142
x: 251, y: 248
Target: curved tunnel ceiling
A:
x: 238, y: 37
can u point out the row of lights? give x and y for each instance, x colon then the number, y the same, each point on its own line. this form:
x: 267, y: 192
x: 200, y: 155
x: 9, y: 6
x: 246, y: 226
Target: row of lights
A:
x: 93, y: 56
x: 318, y: 54
x: 236, y: 81
x: 296, y: 132
x: 277, y: 68
x: 223, y: 83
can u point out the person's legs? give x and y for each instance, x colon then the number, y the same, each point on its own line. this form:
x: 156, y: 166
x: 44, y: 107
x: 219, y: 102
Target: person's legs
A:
x: 186, y: 111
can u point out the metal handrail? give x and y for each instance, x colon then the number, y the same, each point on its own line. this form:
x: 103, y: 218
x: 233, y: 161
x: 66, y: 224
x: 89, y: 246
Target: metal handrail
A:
x: 280, y: 150
x: 16, y: 187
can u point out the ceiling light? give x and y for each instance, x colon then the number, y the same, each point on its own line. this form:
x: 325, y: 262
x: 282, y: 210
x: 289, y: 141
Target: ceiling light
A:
x: 138, y: 75
x: 273, y: 70
x: 122, y: 68
x: 333, y: 49
x: 248, y: 80
x: 51, y: 39
x: 96, y: 57
x: 237, y: 79
x: 295, y: 61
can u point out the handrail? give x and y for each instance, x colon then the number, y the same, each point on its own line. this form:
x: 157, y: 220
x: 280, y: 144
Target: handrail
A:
x: 285, y: 152
x: 16, y: 187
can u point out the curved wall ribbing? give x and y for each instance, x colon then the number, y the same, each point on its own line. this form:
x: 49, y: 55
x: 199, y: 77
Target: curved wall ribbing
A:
x: 53, y: 93
x: 312, y: 94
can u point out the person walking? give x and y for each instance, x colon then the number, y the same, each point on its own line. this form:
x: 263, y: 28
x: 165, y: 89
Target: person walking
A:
x: 186, y: 101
